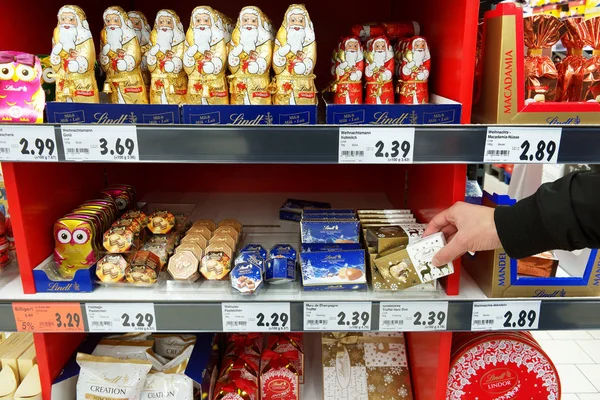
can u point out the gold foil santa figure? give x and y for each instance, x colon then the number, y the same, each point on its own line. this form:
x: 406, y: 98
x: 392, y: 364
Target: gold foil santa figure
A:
x: 120, y: 57
x: 73, y: 57
x: 349, y: 68
x: 379, y: 70
x: 205, y: 58
x: 250, y: 56
x: 142, y: 30
x: 294, y: 58
x: 165, y: 60
x: 414, y: 73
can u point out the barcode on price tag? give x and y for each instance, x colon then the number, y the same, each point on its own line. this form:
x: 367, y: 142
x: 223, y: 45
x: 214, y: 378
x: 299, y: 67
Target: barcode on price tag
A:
x: 393, y: 145
x: 505, y: 315
x: 354, y: 316
x: 524, y: 145
x: 100, y: 143
x: 413, y: 316
x: 121, y: 317
x: 28, y: 143
x: 256, y: 317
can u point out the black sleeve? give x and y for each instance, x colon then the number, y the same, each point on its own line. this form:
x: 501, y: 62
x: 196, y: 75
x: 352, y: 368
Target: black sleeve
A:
x: 562, y: 215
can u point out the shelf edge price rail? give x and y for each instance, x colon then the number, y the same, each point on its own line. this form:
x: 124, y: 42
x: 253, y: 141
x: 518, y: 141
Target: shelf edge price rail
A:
x: 256, y: 317
x: 346, y: 316
x: 522, y: 145
x: 28, y: 143
x: 117, y: 143
x: 121, y: 317
x: 413, y: 316
x: 372, y: 145
x: 48, y: 317
x: 505, y: 315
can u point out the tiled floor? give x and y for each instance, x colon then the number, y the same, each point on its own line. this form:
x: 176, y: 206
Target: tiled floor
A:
x: 576, y: 355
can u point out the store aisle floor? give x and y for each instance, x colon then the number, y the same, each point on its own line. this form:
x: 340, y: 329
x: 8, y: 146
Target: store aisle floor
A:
x: 576, y: 355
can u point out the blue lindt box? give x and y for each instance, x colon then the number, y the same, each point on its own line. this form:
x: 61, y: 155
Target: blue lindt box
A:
x: 84, y: 113
x: 47, y: 279
x: 330, y: 231
x: 255, y: 248
x: 246, y: 277
x: 440, y: 110
x: 254, y: 257
x: 249, y: 115
x: 309, y: 247
x: 281, y: 265
x: 335, y: 211
x: 333, y: 270
x: 292, y: 209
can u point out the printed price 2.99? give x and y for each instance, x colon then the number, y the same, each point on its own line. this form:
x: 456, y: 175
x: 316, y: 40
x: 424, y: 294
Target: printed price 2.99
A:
x: 40, y: 145
x: 395, y: 151
x: 141, y: 320
x: 523, y: 320
x: 275, y: 319
x: 354, y: 320
x: 544, y: 150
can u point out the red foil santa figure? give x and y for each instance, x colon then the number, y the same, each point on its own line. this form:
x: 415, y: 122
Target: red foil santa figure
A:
x: 379, y: 71
x: 4, y: 245
x: 416, y: 64
x: 349, y: 68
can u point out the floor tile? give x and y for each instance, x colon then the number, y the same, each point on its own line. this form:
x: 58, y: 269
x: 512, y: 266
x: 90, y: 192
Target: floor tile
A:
x: 586, y: 396
x: 595, y: 334
x: 592, y: 348
x: 572, y: 380
x: 569, y: 396
x: 566, y: 351
x: 592, y: 373
x: 541, y: 335
x: 570, y: 335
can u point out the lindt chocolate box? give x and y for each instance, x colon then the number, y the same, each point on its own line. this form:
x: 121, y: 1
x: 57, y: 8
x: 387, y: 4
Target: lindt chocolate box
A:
x: 250, y: 114
x: 84, y: 113
x: 334, y: 270
x: 336, y: 231
x: 292, y: 209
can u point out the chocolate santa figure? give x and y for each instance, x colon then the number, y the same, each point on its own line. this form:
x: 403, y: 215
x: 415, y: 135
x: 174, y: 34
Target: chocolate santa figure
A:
x: 142, y: 30
x: 250, y: 55
x: 165, y: 60
x: 73, y: 57
x: 416, y: 64
x: 379, y: 70
x: 4, y: 243
x: 294, y: 58
x: 349, y: 68
x: 120, y: 57
x: 205, y: 58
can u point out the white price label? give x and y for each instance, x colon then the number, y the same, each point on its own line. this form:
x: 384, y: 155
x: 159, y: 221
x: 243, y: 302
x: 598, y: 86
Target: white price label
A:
x: 121, y: 317
x: 256, y: 317
x: 523, y: 145
x: 100, y: 143
x: 28, y: 143
x: 413, y: 316
x: 376, y: 145
x: 505, y: 315
x: 337, y: 316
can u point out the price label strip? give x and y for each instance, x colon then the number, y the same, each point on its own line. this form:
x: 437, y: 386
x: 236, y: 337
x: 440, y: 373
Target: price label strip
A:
x: 256, y: 317
x: 121, y: 317
x: 376, y: 145
x: 48, y: 317
x: 27, y: 143
x: 337, y: 316
x: 413, y: 316
x: 522, y: 145
x: 505, y: 315
x: 100, y: 143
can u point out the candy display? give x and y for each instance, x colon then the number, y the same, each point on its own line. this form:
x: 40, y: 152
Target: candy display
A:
x: 379, y: 70
x: 414, y: 71
x: 349, y: 67
x: 22, y: 98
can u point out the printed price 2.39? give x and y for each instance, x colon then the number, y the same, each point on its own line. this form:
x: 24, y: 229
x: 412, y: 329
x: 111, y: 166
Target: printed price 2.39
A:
x: 354, y: 320
x: 398, y: 149
x: 431, y: 319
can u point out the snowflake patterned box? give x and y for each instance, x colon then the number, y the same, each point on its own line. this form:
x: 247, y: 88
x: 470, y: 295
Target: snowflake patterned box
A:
x: 249, y: 114
x: 365, y: 366
x: 84, y: 113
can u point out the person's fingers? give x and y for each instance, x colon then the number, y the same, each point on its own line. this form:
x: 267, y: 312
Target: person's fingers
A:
x: 438, y: 222
x: 449, y: 231
x: 455, y: 248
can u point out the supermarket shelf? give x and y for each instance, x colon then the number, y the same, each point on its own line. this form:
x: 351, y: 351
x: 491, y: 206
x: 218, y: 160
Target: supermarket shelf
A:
x: 319, y: 144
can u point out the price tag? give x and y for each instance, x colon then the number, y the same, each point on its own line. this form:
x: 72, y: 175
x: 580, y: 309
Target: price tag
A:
x: 522, y: 145
x: 376, y: 145
x: 28, y: 143
x: 100, y: 143
x: 337, y: 316
x: 121, y: 317
x: 48, y: 317
x: 413, y: 316
x: 505, y: 315
x: 256, y: 317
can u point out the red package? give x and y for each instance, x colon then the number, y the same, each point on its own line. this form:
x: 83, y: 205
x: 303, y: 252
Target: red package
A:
x: 279, y: 378
x: 393, y: 30
x: 416, y: 65
x: 379, y: 70
x: 349, y: 68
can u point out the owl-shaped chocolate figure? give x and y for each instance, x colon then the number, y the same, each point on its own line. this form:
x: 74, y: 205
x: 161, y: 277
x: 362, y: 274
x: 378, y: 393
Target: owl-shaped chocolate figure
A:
x: 22, y: 98
x: 73, y: 245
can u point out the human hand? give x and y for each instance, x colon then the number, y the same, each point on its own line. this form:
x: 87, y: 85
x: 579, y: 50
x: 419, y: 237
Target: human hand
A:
x: 467, y: 227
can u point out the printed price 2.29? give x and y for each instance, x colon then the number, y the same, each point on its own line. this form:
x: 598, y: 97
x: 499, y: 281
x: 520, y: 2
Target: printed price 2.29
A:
x: 139, y: 321
x: 395, y: 150
x: 545, y: 150
x: 355, y: 319
x: 276, y: 318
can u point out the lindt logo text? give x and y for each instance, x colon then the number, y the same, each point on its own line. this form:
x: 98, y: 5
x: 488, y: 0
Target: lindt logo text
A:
x: 556, y: 293
x: 499, y: 380
x: 569, y: 121
x: 11, y: 88
x: 239, y: 119
x: 383, y: 118
x: 331, y: 227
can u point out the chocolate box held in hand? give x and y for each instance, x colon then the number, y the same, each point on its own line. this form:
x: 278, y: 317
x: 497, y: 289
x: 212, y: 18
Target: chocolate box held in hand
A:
x: 249, y: 114
x: 84, y: 113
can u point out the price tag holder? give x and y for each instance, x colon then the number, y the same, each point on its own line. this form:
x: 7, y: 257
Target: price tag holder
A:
x: 413, y: 316
x: 121, y: 317
x: 100, y: 143
x: 367, y: 145
x: 337, y: 316
x: 27, y: 143
x: 256, y: 317
x: 522, y: 145
x: 48, y: 317
x: 505, y: 315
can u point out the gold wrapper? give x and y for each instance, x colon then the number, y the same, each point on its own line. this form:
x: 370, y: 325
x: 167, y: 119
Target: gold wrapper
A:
x: 250, y: 53
x: 205, y: 57
x: 73, y: 57
x: 591, y: 79
x: 571, y: 69
x: 142, y: 31
x: 165, y: 60
x: 120, y: 57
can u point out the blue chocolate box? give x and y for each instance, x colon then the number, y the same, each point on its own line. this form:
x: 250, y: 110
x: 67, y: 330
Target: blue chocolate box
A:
x: 330, y: 231
x: 84, y: 113
x: 328, y: 270
x: 249, y: 114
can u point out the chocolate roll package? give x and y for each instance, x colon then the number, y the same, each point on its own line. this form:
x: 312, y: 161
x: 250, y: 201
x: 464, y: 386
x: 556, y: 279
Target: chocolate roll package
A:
x: 73, y: 57
x: 205, y: 58
x: 349, y: 68
x: 142, y: 30
x: 121, y: 58
x: 541, y: 32
x: 572, y: 68
x: 392, y: 30
x: 379, y: 70
x: 591, y: 79
x: 414, y: 72
x: 165, y: 60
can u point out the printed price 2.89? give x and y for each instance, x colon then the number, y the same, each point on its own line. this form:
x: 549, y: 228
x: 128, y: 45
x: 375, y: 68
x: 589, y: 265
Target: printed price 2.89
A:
x: 396, y: 147
x: 544, y: 150
x: 522, y: 321
x: 355, y: 319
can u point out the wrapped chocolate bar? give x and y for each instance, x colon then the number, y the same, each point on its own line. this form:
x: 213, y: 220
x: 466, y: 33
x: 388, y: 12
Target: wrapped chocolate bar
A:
x: 142, y: 30
x: 205, y: 58
x: 414, y: 73
x: 349, y: 67
x: 250, y: 55
x: 591, y: 79
x: 294, y: 58
x: 165, y: 60
x: 541, y: 31
x: 73, y: 57
x: 571, y: 68
x: 278, y: 376
x: 120, y: 58
x: 379, y: 70
x: 392, y: 30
